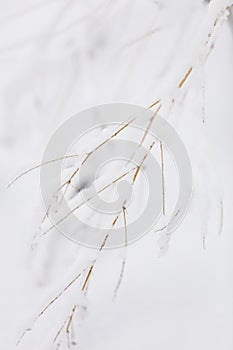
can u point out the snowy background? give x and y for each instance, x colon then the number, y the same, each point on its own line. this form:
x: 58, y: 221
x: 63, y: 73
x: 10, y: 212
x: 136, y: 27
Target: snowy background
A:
x: 60, y: 57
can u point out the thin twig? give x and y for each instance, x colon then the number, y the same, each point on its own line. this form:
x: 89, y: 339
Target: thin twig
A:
x: 70, y: 319
x: 180, y: 85
x: 87, y: 200
x: 124, y: 260
x: 94, y: 150
x: 183, y: 80
x: 150, y: 124
x: 125, y: 225
x: 22, y: 335
x: 38, y: 166
x: 146, y: 132
x: 48, y: 305
x: 166, y: 226
x: 60, y: 330
x: 58, y: 296
x: 120, y: 279
x: 154, y: 103
x: 144, y: 36
x: 87, y: 278
x: 142, y: 162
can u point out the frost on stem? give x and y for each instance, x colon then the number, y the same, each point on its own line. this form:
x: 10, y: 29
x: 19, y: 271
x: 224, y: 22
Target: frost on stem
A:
x: 216, y: 13
x: 124, y: 259
x: 39, y: 166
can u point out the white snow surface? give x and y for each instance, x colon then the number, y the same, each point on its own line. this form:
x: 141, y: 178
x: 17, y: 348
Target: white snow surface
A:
x: 60, y: 57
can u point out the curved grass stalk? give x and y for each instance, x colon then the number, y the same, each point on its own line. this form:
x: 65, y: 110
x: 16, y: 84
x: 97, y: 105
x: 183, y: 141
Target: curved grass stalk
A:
x: 124, y: 259
x: 68, y: 182
x: 39, y: 166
